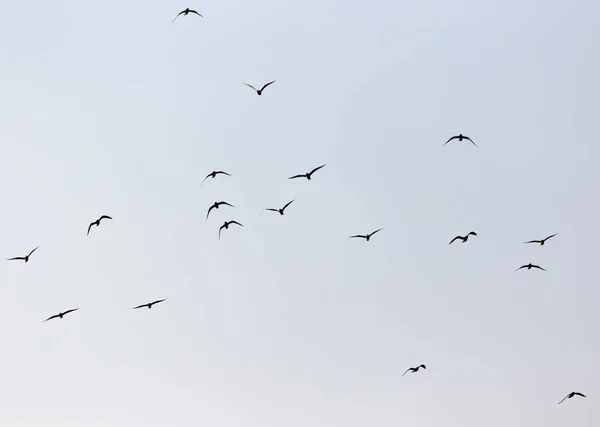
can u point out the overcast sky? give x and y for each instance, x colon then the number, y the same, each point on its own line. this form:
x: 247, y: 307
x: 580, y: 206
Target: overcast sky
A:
x: 109, y: 108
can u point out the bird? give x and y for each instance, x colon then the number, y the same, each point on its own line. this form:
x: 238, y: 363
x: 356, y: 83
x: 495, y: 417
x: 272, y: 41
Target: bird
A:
x: 530, y: 266
x: 213, y: 174
x: 460, y: 137
x: 307, y: 175
x: 25, y: 258
x: 464, y: 239
x: 570, y: 395
x: 280, y: 210
x: 259, y: 91
x: 150, y: 304
x: 367, y: 237
x: 185, y: 12
x: 97, y: 222
x: 541, y: 242
x: 226, y: 225
x: 60, y: 315
x: 216, y: 206
x: 413, y: 370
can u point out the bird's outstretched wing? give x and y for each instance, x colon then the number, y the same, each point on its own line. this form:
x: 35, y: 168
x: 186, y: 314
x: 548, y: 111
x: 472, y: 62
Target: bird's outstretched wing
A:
x: 208, y: 213
x: 271, y: 209
x: 422, y: 366
x: 220, y: 228
x: 534, y: 241
x: 32, y: 251
x: 316, y: 169
x: 549, y: 237
x: 52, y: 317
x: 222, y: 172
x: 376, y: 231
x: 226, y: 204
x: 358, y: 235
x: 140, y: 306
x: 193, y: 11
x: 235, y: 222
x: 287, y: 204
x: 270, y: 83
x: 406, y: 371
x: 576, y: 393
x: 177, y: 16
x: 158, y: 301
x: 452, y: 241
x: 454, y: 137
x: 70, y: 311
x: 297, y: 176
x: 472, y: 233
x: 466, y: 137
x: 538, y: 267
x: 90, y: 227
x: 249, y: 85
x: 15, y: 258
x: 563, y: 399
x: 104, y: 217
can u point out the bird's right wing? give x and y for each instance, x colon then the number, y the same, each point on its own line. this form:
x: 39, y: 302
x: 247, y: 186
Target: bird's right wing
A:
x: 286, y: 205
x: 454, y: 137
x: 89, y: 228
x: 17, y: 257
x: 156, y: 302
x: 297, y: 176
x: 270, y: 83
x: 451, y: 241
x: 249, y: 85
x: 32, y: 251
x: 193, y: 11
x: 533, y: 241
x: 208, y: 213
x: 549, y: 237
x: 406, y: 372
x: 376, y: 231
x: 272, y: 210
x: 140, y: 306
x: 177, y: 16
x: 70, y: 311
x: 523, y: 266
x: 358, y: 235
x: 563, y: 399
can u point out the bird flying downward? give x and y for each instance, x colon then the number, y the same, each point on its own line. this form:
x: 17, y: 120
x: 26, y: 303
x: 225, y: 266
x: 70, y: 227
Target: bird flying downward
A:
x: 460, y: 137
x: 530, y: 266
x: 226, y: 225
x: 185, y: 12
x: 60, y: 315
x: 25, y: 258
x: 367, y: 237
x: 541, y: 242
x: 280, y: 210
x: 413, y: 370
x: 216, y: 206
x: 97, y: 222
x: 570, y: 395
x: 307, y: 175
x: 213, y: 174
x: 464, y: 239
x: 259, y: 91
x: 149, y: 305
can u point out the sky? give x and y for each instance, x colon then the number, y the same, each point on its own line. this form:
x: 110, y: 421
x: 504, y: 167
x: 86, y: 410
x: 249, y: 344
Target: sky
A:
x: 109, y: 108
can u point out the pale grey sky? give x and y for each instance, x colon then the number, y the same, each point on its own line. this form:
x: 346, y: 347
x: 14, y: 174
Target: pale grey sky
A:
x: 109, y: 108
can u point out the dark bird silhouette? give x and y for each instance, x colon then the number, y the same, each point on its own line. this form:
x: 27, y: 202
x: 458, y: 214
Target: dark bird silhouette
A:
x: 464, y: 239
x: 413, y: 370
x: 60, y: 315
x: 530, y: 266
x: 97, y: 222
x: 307, y: 175
x: 259, y: 91
x: 460, y: 137
x: 226, y: 225
x: 541, y: 242
x: 185, y: 12
x: 149, y: 305
x: 570, y: 395
x: 216, y: 206
x: 25, y: 258
x: 280, y: 210
x: 367, y: 237
x: 213, y: 174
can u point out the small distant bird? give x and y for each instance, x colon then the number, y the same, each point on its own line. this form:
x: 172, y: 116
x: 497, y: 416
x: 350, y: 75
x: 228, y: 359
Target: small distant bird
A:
x: 149, y: 305
x: 464, y: 239
x: 307, y: 175
x: 97, y: 222
x: 25, y: 258
x: 570, y: 395
x: 216, y: 206
x: 213, y: 174
x: 185, y: 12
x: 280, y: 210
x: 367, y: 237
x: 530, y: 266
x: 60, y: 315
x: 226, y: 225
x: 460, y: 137
x: 413, y: 370
x: 541, y: 242
x: 259, y: 91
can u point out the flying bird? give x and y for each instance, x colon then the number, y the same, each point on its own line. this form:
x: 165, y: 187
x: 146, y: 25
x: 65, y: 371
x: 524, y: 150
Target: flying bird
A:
x: 530, y: 266
x: 460, y: 137
x: 413, y: 370
x: 185, y: 12
x: 25, y: 258
x: 280, y: 210
x: 570, y: 395
x: 97, y: 222
x: 367, y: 237
x: 541, y: 242
x: 226, y: 225
x: 259, y: 91
x: 464, y: 239
x: 307, y: 175
x: 150, y: 304
x: 213, y: 174
x: 216, y: 206
x: 60, y: 315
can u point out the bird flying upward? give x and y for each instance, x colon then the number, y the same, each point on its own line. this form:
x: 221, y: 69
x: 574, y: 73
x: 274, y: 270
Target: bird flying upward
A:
x: 280, y: 211
x: 185, y: 12
x: 530, y: 266
x: 150, y: 304
x: 213, y: 174
x: 541, y: 242
x: 307, y: 175
x: 460, y: 137
x: 25, y: 258
x: 367, y: 237
x: 60, y: 315
x: 464, y: 239
x: 413, y: 370
x: 226, y: 225
x: 216, y: 206
x: 570, y: 395
x: 97, y: 222
x: 259, y: 91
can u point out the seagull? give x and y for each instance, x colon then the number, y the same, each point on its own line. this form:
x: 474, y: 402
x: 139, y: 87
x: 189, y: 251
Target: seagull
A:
x: 460, y: 137
x: 97, y: 222
x: 530, y: 266
x: 216, y: 206
x: 259, y: 91
x: 280, y: 210
x: 570, y: 395
x: 149, y: 305
x: 367, y: 237
x: 25, y: 258
x: 413, y: 370
x: 464, y: 239
x: 541, y: 242
x: 213, y: 174
x: 226, y: 225
x: 307, y: 175
x: 185, y: 12
x: 60, y: 315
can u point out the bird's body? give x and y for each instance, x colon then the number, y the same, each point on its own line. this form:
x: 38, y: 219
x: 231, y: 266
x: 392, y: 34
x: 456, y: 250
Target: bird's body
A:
x: 214, y: 174
x: 413, y: 370
x: 150, y: 304
x: 259, y: 91
x: 307, y: 175
x: 460, y: 137
x: 463, y: 238
x: 282, y: 210
x: 530, y: 266
x: 216, y: 206
x: 185, y: 12
x: 570, y: 395
x: 543, y: 241
x: 60, y: 315
x: 24, y: 258
x: 226, y: 225
x: 97, y: 222
x: 367, y: 237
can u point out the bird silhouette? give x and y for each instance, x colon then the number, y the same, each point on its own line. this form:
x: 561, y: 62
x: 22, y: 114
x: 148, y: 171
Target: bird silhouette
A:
x: 460, y: 137
x: 185, y: 12
x: 216, y: 206
x: 530, y: 266
x: 149, y: 305
x: 307, y: 175
x: 280, y: 210
x: 367, y: 237
x: 213, y: 174
x: 60, y: 315
x: 541, y: 242
x: 570, y: 395
x: 259, y: 91
x: 464, y: 239
x: 413, y: 370
x: 97, y: 222
x: 25, y: 258
x: 226, y: 225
